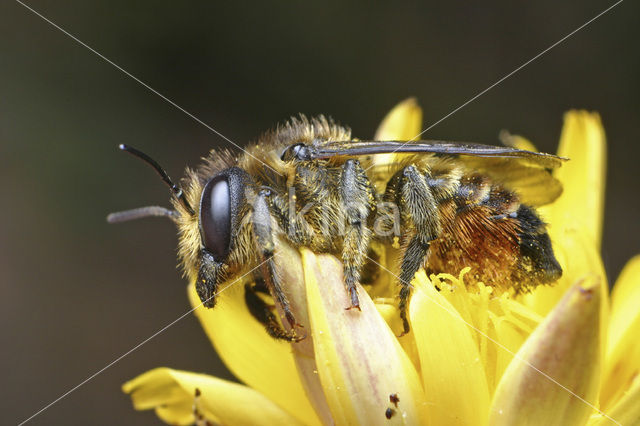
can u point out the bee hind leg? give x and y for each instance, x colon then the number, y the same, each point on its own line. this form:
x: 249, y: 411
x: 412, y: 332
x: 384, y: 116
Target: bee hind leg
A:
x: 411, y: 261
x: 264, y: 239
x: 419, y: 213
x: 357, y: 195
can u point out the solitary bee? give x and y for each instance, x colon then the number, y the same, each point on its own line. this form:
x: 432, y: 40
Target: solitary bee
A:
x: 445, y: 205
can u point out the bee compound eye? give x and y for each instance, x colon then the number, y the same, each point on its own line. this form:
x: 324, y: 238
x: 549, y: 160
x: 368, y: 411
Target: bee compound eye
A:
x: 215, y: 217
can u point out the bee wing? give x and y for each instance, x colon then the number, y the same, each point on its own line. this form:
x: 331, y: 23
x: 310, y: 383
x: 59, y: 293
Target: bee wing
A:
x: 535, y: 186
x: 526, y: 172
x: 356, y: 148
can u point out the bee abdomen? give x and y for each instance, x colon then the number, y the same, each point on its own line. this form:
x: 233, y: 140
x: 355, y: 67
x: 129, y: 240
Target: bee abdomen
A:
x: 485, y: 226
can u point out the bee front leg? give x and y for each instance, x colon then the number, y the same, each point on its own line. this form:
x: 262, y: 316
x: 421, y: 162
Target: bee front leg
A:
x: 357, y: 195
x: 419, y: 214
x: 266, y: 248
x: 210, y: 274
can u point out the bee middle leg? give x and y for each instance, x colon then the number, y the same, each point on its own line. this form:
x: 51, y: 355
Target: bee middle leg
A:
x: 419, y: 213
x: 357, y: 195
x: 264, y: 239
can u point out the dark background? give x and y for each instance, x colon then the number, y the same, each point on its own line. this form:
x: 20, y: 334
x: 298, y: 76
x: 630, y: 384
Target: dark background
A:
x: 77, y: 293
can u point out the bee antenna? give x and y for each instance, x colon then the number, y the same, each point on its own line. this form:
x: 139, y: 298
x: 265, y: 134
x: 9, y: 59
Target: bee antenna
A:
x: 139, y: 213
x: 177, y: 191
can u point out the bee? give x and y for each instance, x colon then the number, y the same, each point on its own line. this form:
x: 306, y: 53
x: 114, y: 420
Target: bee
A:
x: 445, y: 205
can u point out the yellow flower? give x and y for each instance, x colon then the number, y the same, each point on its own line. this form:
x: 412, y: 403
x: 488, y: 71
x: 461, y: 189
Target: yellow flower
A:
x: 562, y: 355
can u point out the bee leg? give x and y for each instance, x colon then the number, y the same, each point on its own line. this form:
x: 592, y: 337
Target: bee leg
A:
x: 262, y: 312
x: 259, y: 286
x: 357, y: 195
x: 298, y: 230
x: 419, y: 213
x: 209, y: 275
x: 411, y: 262
x: 264, y: 240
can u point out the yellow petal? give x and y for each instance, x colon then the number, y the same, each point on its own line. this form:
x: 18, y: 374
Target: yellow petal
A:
x: 172, y: 393
x: 510, y: 334
x: 290, y: 270
x: 402, y: 123
x: 623, y: 348
x: 554, y: 377
x: 583, y: 177
x: 359, y: 359
x: 517, y: 141
x: 625, y: 412
x: 453, y: 376
x: 625, y: 299
x: 255, y: 358
x: 388, y: 309
x: 578, y: 257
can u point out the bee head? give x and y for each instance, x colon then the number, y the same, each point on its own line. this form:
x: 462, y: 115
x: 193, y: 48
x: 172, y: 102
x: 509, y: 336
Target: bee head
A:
x: 219, y: 199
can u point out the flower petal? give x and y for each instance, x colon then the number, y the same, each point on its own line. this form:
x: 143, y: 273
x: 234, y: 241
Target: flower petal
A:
x: 359, y: 359
x: 402, y: 123
x: 625, y: 299
x: 510, y: 335
x: 173, y: 395
x: 582, y: 203
x: 626, y: 410
x: 578, y: 257
x: 453, y: 377
x: 623, y: 348
x: 554, y: 377
x: 290, y: 270
x: 517, y: 141
x: 255, y: 358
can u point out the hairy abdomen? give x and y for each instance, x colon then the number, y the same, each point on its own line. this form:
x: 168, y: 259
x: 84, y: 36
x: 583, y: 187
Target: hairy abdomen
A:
x: 485, y: 227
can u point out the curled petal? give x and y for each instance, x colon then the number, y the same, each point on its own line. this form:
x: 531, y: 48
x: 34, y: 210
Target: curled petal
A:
x: 290, y: 270
x: 359, y: 359
x: 554, y: 377
x: 623, y: 348
x: 453, y: 375
x: 179, y: 396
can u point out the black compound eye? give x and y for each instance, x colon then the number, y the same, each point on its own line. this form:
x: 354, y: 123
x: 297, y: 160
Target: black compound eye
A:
x: 215, y: 217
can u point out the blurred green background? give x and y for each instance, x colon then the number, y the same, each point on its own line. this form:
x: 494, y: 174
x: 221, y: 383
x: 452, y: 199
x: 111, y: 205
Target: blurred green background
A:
x: 77, y: 293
